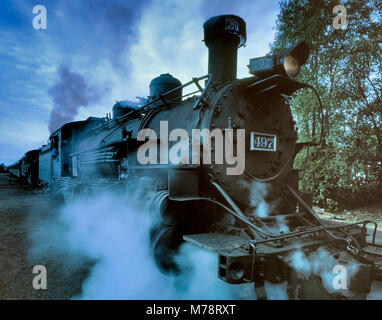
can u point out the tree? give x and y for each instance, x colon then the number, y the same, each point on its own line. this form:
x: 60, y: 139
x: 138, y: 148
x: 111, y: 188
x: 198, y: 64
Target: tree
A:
x: 345, y: 66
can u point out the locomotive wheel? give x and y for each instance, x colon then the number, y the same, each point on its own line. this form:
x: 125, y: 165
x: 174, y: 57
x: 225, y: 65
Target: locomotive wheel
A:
x: 165, y: 243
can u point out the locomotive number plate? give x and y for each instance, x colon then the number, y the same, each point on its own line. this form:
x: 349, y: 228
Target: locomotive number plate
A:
x: 263, y: 141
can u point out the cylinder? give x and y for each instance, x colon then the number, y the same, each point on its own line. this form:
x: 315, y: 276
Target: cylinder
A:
x: 170, y: 212
x: 223, y: 35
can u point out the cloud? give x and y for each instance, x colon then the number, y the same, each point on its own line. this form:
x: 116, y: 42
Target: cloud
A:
x: 97, y: 29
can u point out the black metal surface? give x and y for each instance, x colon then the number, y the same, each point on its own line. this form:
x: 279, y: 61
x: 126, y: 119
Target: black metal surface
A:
x: 273, y: 85
x: 164, y: 83
x: 223, y: 35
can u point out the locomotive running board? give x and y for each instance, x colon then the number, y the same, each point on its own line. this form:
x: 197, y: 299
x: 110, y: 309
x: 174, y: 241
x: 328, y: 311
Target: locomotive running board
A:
x: 374, y: 253
x: 216, y: 242
x: 273, y: 85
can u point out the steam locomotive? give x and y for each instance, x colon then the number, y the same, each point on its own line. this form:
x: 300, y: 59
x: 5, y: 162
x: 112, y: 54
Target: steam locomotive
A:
x: 205, y: 201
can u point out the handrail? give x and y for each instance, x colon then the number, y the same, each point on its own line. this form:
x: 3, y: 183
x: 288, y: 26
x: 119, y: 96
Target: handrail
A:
x: 375, y: 229
x: 145, y: 107
x: 273, y: 237
x: 161, y: 98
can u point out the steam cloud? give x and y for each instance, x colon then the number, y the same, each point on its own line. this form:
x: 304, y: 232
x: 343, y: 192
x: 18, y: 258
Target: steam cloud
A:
x: 320, y: 263
x: 69, y: 94
x: 258, y: 192
x: 113, y: 230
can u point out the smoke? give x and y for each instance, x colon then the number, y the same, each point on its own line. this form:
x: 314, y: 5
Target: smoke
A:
x: 257, y: 194
x: 112, y: 230
x: 98, y: 35
x: 280, y: 225
x: 260, y: 203
x: 320, y: 263
x: 69, y: 94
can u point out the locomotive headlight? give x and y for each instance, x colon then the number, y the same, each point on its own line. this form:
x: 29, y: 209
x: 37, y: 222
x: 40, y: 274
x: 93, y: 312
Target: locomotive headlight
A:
x: 291, y: 66
x: 287, y: 62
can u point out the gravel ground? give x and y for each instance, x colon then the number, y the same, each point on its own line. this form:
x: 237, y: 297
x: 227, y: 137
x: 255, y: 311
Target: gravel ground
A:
x: 373, y: 213
x: 22, y: 212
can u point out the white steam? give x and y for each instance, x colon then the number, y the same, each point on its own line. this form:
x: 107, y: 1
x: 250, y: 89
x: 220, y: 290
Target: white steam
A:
x: 280, y: 225
x: 258, y: 192
x: 113, y: 231
x: 320, y: 263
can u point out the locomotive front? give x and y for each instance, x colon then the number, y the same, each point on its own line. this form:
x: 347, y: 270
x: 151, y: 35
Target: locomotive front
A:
x: 250, y: 119
x: 209, y: 156
x: 253, y: 114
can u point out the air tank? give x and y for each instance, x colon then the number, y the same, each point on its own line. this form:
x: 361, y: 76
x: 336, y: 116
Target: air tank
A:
x: 166, y: 82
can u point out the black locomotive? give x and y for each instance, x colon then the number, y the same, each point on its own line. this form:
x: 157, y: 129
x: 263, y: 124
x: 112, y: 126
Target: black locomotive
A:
x: 203, y: 202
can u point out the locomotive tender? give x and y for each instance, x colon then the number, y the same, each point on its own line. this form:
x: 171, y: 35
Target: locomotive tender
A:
x: 27, y: 167
x: 197, y: 201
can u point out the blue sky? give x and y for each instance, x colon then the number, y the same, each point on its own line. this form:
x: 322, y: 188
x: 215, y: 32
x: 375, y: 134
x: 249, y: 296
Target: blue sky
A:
x: 109, y: 50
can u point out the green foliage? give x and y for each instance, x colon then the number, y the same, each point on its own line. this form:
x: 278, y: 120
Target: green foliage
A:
x: 345, y: 66
x: 332, y: 205
x: 2, y: 167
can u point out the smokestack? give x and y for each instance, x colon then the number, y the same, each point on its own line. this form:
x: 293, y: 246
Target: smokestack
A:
x: 223, y: 35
